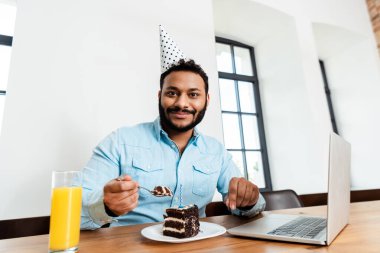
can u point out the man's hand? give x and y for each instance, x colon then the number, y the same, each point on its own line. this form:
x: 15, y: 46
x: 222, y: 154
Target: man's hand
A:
x: 121, y: 195
x: 241, y: 193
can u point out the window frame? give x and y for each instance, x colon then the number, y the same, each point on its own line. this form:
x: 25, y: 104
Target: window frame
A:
x: 5, y: 40
x: 328, y: 97
x: 259, y: 115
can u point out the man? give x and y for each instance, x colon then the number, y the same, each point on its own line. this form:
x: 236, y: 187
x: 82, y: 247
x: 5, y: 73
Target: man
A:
x: 167, y: 152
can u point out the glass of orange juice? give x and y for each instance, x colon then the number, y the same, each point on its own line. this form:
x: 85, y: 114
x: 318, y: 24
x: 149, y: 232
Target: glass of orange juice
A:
x: 66, y: 203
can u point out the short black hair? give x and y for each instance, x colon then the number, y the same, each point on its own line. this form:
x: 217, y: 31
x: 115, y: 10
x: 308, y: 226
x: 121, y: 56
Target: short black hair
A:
x: 186, y: 65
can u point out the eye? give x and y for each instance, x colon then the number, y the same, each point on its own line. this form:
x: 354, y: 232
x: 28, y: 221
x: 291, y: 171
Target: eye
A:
x: 194, y: 94
x: 171, y: 93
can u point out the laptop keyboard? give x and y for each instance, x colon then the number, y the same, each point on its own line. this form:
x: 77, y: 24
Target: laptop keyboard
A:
x: 304, y: 227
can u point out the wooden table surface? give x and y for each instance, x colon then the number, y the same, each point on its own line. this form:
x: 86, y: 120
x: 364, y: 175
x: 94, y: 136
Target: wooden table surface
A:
x: 361, y: 235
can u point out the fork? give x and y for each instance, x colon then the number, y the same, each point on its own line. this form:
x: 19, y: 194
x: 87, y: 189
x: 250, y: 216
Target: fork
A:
x: 155, y: 192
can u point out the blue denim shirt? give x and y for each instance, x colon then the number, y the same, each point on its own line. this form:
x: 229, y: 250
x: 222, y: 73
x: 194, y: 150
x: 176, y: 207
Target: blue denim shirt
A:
x: 150, y: 157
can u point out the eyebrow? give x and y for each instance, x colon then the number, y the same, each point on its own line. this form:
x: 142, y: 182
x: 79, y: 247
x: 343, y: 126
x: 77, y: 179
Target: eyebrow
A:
x: 171, y: 88
x: 175, y: 88
x: 194, y: 89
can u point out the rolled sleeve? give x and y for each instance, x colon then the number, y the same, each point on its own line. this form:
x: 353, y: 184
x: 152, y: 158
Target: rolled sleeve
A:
x: 94, y: 214
x: 255, y: 210
x: 230, y: 170
x: 102, y: 167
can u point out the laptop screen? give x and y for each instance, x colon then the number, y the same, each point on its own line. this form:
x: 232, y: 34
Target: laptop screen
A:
x: 338, y: 201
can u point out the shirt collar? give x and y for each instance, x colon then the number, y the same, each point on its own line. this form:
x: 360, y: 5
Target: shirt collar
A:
x: 157, y: 128
x: 158, y: 131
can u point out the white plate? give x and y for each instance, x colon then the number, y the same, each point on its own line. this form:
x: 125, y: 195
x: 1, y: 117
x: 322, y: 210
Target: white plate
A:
x: 207, y: 230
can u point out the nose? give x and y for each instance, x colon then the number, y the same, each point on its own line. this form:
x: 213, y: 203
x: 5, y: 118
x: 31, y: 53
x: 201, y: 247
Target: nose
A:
x: 182, y: 101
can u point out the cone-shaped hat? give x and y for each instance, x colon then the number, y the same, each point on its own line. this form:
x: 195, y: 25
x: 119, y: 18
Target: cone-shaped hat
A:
x: 170, y: 53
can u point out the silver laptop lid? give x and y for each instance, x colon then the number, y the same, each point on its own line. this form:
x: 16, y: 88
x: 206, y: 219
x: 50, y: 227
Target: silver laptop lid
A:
x: 338, y: 201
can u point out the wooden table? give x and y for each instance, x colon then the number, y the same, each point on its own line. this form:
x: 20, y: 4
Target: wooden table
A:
x: 360, y: 236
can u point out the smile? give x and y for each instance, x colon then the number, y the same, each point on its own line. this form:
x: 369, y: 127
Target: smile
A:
x: 181, y: 115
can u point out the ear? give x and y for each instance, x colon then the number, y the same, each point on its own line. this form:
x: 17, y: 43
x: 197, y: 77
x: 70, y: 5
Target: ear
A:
x: 159, y: 94
x: 207, y: 100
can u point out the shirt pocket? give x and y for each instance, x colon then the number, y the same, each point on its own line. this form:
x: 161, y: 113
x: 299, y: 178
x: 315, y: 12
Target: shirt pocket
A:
x: 146, y: 170
x: 205, y: 177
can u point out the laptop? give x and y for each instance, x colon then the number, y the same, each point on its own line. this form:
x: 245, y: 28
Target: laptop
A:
x: 309, y: 229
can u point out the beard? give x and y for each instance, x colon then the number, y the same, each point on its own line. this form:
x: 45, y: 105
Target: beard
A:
x: 166, y: 122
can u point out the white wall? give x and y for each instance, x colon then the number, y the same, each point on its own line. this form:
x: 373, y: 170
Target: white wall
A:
x: 289, y: 37
x: 355, y: 92
x: 81, y: 69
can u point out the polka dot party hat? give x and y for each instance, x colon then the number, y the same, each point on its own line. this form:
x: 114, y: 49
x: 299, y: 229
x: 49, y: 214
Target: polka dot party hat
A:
x: 170, y: 53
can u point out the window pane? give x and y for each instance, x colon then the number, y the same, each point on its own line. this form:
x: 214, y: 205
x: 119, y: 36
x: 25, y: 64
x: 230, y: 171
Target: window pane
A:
x: 243, y: 63
x: 247, y: 100
x: 231, y: 131
x: 227, y: 95
x: 255, y: 168
x: 5, y: 58
x: 223, y: 57
x: 237, y: 157
x: 7, y: 18
x: 250, y: 131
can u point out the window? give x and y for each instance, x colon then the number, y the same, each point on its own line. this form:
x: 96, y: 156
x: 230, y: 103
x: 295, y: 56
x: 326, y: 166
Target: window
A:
x: 243, y: 125
x: 328, y: 97
x: 7, y: 20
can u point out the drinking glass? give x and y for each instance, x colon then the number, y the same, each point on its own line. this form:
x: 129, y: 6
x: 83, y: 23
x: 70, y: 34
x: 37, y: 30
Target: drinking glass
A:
x: 66, y: 203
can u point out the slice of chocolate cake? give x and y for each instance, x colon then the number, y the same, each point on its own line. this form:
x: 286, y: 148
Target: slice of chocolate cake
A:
x: 181, y: 222
x: 162, y: 191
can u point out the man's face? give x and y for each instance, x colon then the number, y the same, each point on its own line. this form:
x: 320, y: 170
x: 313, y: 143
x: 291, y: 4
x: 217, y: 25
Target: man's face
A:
x: 182, y: 101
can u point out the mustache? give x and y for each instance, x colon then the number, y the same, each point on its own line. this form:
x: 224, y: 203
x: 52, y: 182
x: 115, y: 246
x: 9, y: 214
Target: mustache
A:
x: 177, y: 109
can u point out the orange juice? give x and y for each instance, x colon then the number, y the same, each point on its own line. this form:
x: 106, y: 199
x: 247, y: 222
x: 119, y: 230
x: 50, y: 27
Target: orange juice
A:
x: 65, y: 217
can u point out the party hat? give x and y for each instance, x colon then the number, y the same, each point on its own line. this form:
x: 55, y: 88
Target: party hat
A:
x: 170, y: 53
